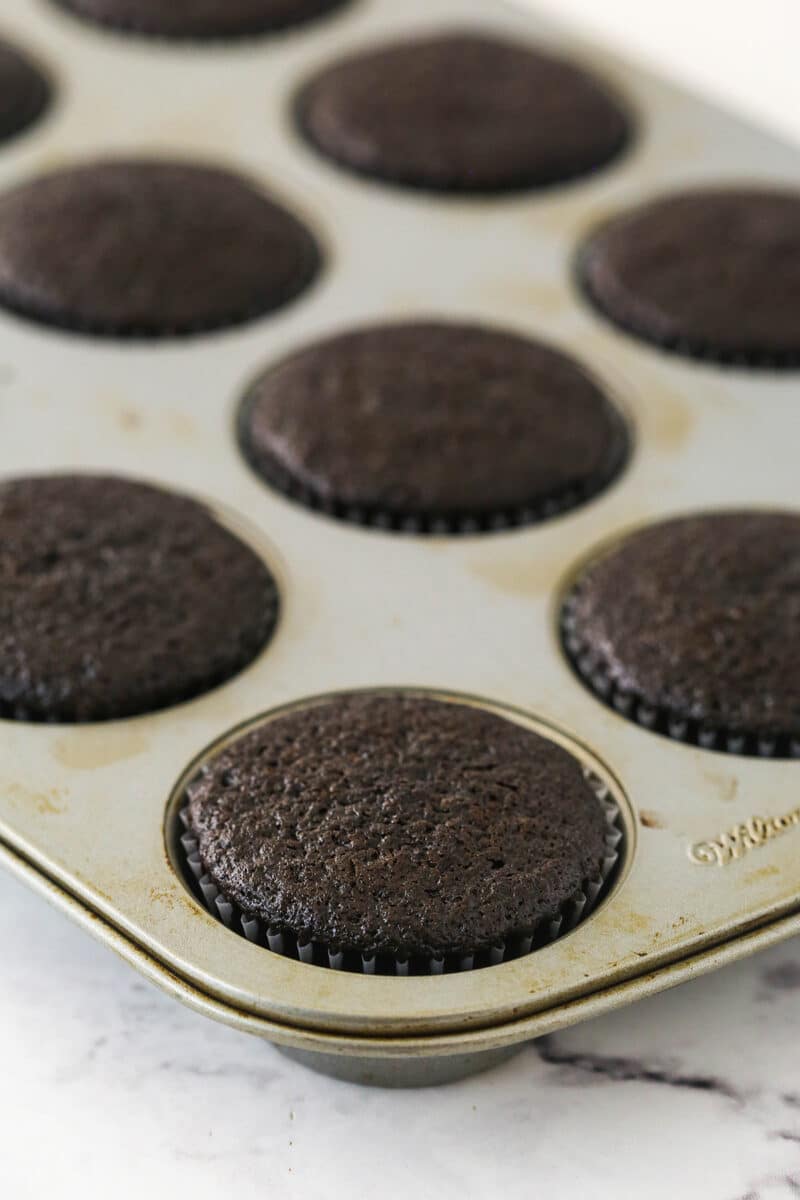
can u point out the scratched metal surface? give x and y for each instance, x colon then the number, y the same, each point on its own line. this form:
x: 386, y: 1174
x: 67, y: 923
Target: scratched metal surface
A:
x: 82, y: 810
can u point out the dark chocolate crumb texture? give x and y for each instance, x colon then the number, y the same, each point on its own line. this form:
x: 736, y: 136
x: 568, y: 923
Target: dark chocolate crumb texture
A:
x: 387, y: 823
x: 117, y: 598
x: 426, y: 424
x: 199, y: 18
x: 24, y: 91
x: 712, y: 273
x: 694, y: 625
x: 148, y: 248
x: 462, y: 112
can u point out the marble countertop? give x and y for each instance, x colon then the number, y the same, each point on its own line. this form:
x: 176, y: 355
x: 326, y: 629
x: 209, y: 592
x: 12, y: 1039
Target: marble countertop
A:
x: 112, y: 1089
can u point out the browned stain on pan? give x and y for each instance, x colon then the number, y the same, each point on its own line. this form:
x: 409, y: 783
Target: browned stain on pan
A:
x: 632, y: 922
x: 51, y: 802
x: 169, y: 897
x: 573, y: 219
x: 91, y: 750
x: 182, y: 426
x: 669, y: 421
x: 724, y: 784
x: 526, y: 295
x: 129, y: 420
x: 521, y: 574
x: 766, y: 872
x: 528, y: 570
x: 176, y: 424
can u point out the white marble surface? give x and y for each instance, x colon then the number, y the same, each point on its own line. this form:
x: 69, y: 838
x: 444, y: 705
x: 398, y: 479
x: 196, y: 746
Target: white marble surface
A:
x: 111, y: 1089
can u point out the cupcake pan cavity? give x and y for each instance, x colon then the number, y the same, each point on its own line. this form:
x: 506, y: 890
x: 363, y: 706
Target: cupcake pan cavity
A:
x: 299, y: 946
x: 89, y: 815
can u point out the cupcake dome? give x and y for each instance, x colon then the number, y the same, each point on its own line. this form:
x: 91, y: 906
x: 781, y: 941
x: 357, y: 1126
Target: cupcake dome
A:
x: 691, y: 627
x: 165, y: 249
x: 462, y: 112
x: 712, y: 274
x: 433, y: 426
x: 393, y: 824
x: 117, y: 598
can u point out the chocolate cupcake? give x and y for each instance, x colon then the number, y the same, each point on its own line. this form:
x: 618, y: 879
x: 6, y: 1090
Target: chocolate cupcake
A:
x: 24, y: 92
x: 117, y: 598
x: 432, y: 427
x: 710, y: 274
x: 199, y: 18
x: 386, y: 830
x: 148, y: 248
x: 462, y: 112
x: 690, y: 628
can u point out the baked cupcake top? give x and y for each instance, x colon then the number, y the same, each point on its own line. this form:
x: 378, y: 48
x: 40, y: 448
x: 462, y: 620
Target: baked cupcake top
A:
x: 462, y: 112
x: 117, y: 598
x: 698, y: 619
x: 148, y: 248
x: 24, y: 91
x: 712, y: 273
x: 397, y: 824
x: 435, y: 422
x: 199, y: 18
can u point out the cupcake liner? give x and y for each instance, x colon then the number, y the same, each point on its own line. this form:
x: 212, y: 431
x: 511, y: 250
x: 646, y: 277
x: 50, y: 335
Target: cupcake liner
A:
x: 299, y: 944
x: 432, y: 523
x: 257, y: 28
x: 594, y: 674
x: 685, y: 347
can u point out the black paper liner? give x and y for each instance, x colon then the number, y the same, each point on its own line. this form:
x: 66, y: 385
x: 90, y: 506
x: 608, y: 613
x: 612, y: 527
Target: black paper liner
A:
x: 682, y: 347
x: 251, y: 29
x: 593, y: 674
x: 434, y: 523
x: 300, y: 946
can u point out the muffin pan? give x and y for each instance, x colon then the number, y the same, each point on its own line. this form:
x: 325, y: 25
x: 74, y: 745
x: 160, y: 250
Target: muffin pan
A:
x: 89, y: 814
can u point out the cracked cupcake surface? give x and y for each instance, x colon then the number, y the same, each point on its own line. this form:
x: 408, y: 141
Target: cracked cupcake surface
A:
x: 389, y: 823
x: 697, y: 619
x: 163, y: 249
x: 117, y: 599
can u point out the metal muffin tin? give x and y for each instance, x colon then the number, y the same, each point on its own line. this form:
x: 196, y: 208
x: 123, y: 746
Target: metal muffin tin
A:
x: 86, y: 812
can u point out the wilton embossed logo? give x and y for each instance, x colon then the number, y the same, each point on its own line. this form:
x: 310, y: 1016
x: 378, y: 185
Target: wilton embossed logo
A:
x: 737, y: 842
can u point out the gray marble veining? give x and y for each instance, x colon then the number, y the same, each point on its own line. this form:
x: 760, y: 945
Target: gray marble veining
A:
x: 695, y: 1093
